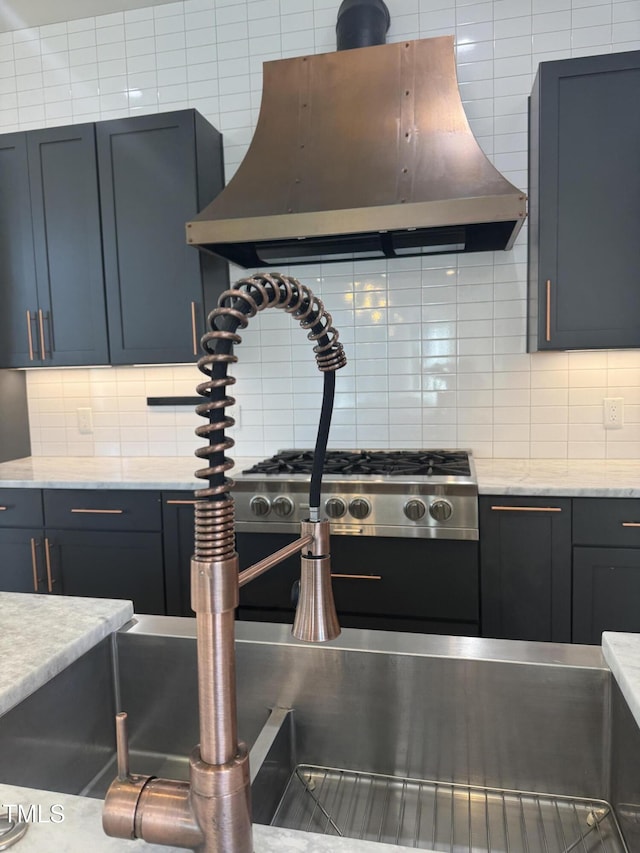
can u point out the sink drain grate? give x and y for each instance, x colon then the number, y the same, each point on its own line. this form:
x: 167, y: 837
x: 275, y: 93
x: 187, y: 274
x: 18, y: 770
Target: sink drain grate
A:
x: 444, y: 817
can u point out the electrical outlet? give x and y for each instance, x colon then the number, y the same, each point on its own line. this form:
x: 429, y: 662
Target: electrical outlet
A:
x: 613, y: 415
x: 85, y: 421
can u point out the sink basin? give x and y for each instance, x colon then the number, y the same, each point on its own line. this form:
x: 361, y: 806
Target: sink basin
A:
x: 440, y: 743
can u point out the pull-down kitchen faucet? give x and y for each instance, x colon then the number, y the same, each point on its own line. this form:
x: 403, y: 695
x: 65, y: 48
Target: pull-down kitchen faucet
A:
x: 212, y: 812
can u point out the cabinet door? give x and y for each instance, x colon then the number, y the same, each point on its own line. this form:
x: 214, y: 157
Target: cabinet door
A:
x: 71, y: 322
x: 17, y: 266
x: 151, y: 168
x: 178, y: 532
x: 21, y: 561
x: 525, y: 568
x: 584, y: 217
x: 109, y: 565
x: 606, y: 592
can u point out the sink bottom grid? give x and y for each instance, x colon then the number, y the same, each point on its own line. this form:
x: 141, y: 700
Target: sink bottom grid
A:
x: 443, y: 816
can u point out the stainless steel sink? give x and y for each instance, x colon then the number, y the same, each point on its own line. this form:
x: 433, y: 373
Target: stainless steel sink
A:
x: 443, y: 743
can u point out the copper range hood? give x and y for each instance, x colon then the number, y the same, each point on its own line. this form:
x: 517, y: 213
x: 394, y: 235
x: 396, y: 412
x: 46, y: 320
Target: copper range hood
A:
x: 358, y: 154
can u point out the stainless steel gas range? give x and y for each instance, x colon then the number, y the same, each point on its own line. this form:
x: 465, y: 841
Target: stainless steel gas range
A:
x: 404, y: 530
x: 426, y: 494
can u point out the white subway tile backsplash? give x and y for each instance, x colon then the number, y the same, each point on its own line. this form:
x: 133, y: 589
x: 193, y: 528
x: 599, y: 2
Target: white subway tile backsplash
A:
x: 436, y: 347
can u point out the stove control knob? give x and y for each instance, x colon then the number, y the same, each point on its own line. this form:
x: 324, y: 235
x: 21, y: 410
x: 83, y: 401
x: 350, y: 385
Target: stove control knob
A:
x: 283, y: 506
x: 414, y: 510
x: 441, y: 510
x: 260, y: 506
x: 335, y: 507
x: 359, y: 508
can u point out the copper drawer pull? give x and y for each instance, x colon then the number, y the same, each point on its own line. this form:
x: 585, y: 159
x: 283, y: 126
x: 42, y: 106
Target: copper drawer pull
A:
x: 527, y: 508
x: 359, y: 577
x: 548, y: 328
x: 175, y: 503
x: 30, y: 336
x: 47, y: 558
x: 194, y: 332
x: 100, y: 511
x: 34, y: 565
x: 43, y: 352
x: 3, y: 508
x: 631, y: 523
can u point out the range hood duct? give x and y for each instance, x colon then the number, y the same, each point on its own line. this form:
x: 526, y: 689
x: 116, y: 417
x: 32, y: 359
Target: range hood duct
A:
x: 360, y: 154
x: 362, y: 23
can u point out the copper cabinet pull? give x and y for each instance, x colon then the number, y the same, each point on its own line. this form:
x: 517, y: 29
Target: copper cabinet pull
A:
x: 3, y: 508
x: 548, y: 328
x: 194, y: 332
x: 631, y: 523
x: 47, y: 559
x: 527, y: 508
x: 101, y: 511
x: 358, y: 577
x: 30, y: 336
x: 34, y: 564
x: 175, y: 503
x: 43, y: 352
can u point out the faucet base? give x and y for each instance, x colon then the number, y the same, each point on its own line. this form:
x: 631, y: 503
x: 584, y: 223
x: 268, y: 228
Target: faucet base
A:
x: 209, y: 814
x: 221, y: 803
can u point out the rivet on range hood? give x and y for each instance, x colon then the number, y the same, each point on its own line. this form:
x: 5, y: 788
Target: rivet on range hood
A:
x: 358, y: 154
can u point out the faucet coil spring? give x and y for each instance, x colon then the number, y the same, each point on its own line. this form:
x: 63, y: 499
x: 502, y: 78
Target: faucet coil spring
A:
x: 214, y: 510
x: 235, y: 308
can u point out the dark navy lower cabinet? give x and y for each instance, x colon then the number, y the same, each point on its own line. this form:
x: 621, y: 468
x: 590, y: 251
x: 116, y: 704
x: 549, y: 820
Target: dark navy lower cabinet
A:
x: 606, y: 567
x: 178, y: 534
x: 22, y: 567
x: 21, y: 560
x: 525, y: 568
x: 98, y: 543
x: 606, y: 592
x: 100, y: 564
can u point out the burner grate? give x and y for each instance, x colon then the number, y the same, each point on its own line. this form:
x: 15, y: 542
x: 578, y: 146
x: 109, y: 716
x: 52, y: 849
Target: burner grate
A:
x: 395, y: 463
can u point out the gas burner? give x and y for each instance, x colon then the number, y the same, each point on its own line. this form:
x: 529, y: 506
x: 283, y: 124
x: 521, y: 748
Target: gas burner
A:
x: 395, y: 463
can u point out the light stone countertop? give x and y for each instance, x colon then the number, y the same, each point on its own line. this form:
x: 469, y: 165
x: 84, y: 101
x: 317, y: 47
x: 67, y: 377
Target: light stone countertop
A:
x: 526, y: 477
x: 81, y: 830
x: 40, y: 635
x: 612, y: 478
x: 622, y: 654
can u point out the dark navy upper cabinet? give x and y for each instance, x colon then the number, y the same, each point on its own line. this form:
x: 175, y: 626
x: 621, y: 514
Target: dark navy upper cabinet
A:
x: 71, y: 324
x: 51, y: 285
x: 584, y: 218
x: 18, y: 296
x: 94, y: 263
x: 156, y: 172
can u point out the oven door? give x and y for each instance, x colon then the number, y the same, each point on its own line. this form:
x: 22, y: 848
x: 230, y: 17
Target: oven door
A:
x: 383, y: 583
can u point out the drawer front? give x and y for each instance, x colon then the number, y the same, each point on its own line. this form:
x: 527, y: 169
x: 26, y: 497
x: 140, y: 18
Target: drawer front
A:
x: 21, y: 508
x: 412, y: 579
x: 607, y: 521
x: 108, y: 509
